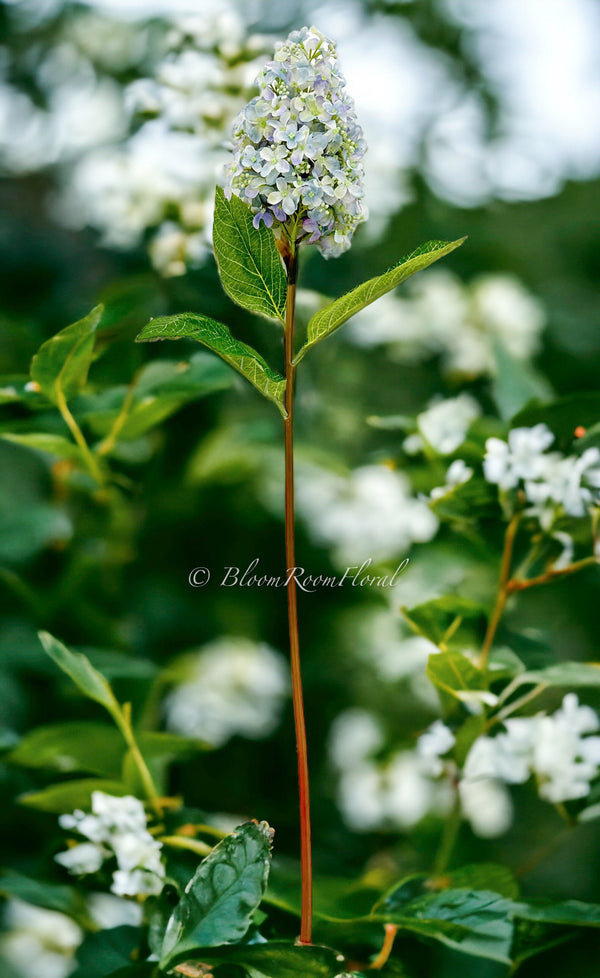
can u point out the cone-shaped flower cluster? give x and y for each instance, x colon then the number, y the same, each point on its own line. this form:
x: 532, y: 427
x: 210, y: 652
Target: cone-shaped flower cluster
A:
x: 298, y: 147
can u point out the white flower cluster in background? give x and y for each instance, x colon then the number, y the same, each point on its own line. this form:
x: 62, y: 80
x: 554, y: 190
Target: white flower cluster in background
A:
x: 559, y: 750
x: 439, y: 316
x: 393, y: 794
x: 116, y: 828
x: 79, y: 107
x: 368, y: 513
x: 231, y: 686
x: 553, y: 483
x: 160, y: 182
x: 298, y: 148
x: 443, y: 425
x: 38, y: 943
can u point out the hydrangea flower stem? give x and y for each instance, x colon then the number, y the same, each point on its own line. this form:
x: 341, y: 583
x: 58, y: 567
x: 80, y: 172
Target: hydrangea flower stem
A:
x: 290, y: 554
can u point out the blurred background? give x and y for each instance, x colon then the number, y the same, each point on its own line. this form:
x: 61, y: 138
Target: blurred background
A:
x: 482, y: 119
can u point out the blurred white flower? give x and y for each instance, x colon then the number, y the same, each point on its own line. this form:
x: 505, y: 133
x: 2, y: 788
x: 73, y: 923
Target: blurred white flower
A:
x: 231, y: 686
x: 503, y: 308
x: 354, y: 735
x: 488, y: 807
x: 520, y: 458
x: 557, y: 749
x: 159, y: 183
x: 438, y: 315
x: 444, y: 424
x: 550, y: 480
x: 83, y: 859
x: 116, y: 827
x: 393, y: 794
x: 458, y: 473
x: 369, y: 513
x: 38, y: 943
x: 437, y: 740
x: 108, y: 910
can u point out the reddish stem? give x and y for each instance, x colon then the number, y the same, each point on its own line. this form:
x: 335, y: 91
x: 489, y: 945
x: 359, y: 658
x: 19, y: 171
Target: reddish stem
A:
x: 290, y: 554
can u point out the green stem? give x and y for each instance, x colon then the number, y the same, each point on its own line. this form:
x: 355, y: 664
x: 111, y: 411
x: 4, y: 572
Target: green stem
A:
x: 91, y: 461
x: 123, y: 719
x: 448, y: 840
x: 107, y: 445
x: 180, y: 842
x: 290, y: 554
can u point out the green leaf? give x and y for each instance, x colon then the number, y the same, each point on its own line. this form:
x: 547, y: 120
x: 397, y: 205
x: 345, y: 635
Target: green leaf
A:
x: 516, y: 383
x: 95, y: 748
x: 569, y: 913
x: 327, y: 320
x: 490, y: 877
x: 161, y: 389
x: 538, y: 928
x: 478, y: 923
x: 569, y: 674
x: 278, y: 959
x: 28, y: 529
x: 107, y: 952
x: 474, y: 922
x: 79, y: 668
x: 69, y: 795
x: 221, y: 897
x: 468, y: 502
x: 456, y: 678
x: 50, y: 896
x: 445, y: 620
x: 249, y: 264
x: 49, y: 444
x: 216, y: 336
x: 62, y: 363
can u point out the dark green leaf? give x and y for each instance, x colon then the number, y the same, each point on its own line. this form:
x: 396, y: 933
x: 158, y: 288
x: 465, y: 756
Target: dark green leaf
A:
x: 216, y: 336
x: 538, y: 928
x: 338, y: 312
x: 278, y: 959
x: 69, y: 747
x: 221, y: 897
x: 490, y: 877
x: 69, y: 795
x: 50, y: 896
x: 569, y: 913
x: 107, y: 952
x: 62, y: 363
x: 49, y: 444
x: 26, y: 530
x: 249, y: 264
